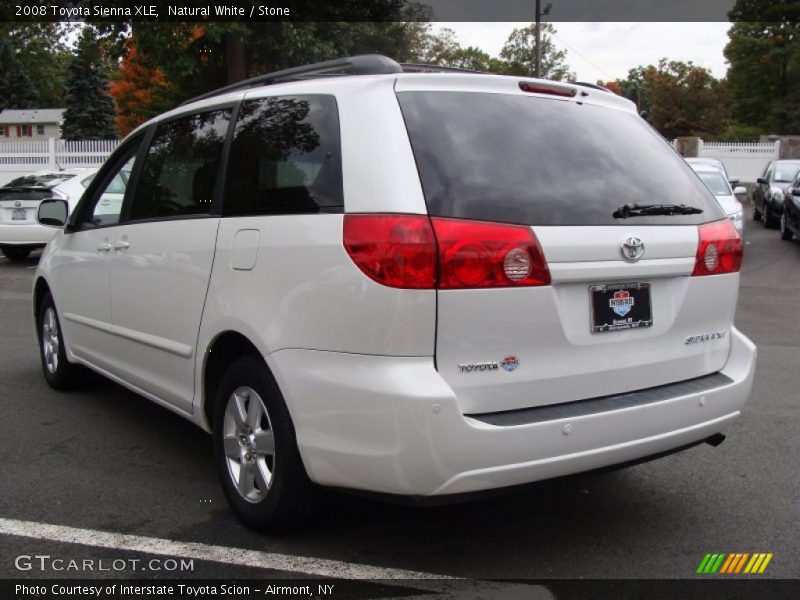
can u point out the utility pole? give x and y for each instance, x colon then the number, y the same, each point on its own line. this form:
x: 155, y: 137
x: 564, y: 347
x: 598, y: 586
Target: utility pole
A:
x: 537, y: 56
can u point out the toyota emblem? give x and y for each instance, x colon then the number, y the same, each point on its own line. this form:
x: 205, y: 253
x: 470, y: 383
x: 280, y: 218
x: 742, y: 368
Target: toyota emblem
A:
x: 632, y: 248
x: 17, y: 204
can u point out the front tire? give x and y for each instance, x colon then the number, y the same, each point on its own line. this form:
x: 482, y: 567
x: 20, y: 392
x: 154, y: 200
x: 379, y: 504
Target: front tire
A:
x: 59, y: 373
x: 766, y: 218
x: 16, y: 253
x: 255, y: 450
x: 786, y: 233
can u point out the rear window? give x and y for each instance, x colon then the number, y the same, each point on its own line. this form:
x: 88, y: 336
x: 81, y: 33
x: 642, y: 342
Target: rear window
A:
x: 715, y: 182
x: 537, y: 161
x: 47, y: 181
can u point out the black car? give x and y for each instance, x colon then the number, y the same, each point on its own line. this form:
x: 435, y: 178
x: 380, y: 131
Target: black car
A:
x: 768, y: 196
x: 790, y: 215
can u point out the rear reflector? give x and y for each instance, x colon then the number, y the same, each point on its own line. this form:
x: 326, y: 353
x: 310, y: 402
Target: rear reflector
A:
x: 415, y: 252
x: 719, y: 249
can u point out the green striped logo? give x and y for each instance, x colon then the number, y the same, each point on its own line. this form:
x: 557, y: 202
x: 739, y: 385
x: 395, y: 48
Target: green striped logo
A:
x: 732, y: 563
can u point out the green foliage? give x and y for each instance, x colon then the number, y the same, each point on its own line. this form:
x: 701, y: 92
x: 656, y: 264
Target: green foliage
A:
x: 677, y: 98
x: 16, y: 88
x: 518, y: 54
x: 89, y: 109
x: 739, y: 133
x: 764, y: 59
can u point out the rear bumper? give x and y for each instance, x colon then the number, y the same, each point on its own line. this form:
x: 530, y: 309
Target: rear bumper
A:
x: 25, y: 233
x: 392, y: 425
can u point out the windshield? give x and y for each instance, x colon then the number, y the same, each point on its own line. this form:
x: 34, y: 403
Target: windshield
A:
x: 48, y: 180
x: 716, y: 183
x: 786, y: 173
x: 536, y: 161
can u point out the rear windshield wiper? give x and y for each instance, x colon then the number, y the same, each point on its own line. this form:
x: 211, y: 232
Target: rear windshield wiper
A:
x: 640, y: 210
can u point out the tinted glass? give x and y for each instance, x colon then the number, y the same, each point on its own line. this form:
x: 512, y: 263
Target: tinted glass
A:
x: 285, y: 157
x: 47, y: 181
x: 536, y: 161
x: 716, y: 183
x: 181, y: 167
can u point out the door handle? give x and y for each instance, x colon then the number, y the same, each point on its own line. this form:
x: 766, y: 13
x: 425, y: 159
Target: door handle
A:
x: 104, y: 247
x: 122, y: 245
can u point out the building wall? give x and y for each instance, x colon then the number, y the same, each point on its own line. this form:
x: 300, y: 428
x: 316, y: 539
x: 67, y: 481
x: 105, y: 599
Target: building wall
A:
x: 49, y: 130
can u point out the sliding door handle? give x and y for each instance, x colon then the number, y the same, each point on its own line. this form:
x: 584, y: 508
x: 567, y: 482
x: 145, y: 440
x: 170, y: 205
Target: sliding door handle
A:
x: 104, y: 247
x: 122, y: 245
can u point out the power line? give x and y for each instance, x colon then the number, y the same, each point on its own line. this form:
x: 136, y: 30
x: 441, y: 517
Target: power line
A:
x: 575, y: 50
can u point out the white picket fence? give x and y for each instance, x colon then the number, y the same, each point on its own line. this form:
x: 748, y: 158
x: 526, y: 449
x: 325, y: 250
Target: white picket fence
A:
x: 743, y: 161
x: 19, y: 157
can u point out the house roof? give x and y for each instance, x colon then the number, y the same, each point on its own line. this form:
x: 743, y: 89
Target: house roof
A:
x: 32, y: 115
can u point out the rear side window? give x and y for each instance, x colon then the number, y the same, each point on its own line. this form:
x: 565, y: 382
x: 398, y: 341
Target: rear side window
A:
x: 181, y: 167
x: 285, y: 157
x: 536, y: 161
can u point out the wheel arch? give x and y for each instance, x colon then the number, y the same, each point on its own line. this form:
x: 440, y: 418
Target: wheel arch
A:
x: 40, y: 288
x: 224, y: 349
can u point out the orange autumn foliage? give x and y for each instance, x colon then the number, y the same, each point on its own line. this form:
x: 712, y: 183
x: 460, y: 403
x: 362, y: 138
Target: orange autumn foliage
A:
x: 139, y: 91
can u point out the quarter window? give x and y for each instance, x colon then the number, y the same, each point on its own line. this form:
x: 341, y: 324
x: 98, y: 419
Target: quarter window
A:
x: 285, y: 157
x: 180, y: 170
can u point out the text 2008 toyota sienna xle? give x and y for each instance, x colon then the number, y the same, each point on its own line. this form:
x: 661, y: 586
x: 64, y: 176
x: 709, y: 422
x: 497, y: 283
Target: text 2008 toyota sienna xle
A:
x: 411, y: 283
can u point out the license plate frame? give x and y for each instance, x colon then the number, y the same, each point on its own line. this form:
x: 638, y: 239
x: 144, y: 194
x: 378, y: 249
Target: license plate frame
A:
x: 19, y: 214
x: 607, y: 316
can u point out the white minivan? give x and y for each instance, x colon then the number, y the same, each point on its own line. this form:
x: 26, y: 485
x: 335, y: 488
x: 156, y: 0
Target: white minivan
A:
x: 417, y: 284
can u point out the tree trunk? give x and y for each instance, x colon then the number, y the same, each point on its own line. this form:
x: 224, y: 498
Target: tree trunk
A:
x: 234, y: 58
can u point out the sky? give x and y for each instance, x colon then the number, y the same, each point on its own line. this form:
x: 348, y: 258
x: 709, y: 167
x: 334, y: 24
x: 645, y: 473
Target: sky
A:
x: 605, y: 51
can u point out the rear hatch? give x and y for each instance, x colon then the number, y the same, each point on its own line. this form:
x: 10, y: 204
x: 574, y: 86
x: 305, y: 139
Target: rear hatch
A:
x: 622, y: 310
x: 19, y: 199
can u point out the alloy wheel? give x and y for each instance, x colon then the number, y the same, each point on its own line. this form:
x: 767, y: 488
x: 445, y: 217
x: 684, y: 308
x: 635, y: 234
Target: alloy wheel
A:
x: 249, y: 444
x: 50, y: 343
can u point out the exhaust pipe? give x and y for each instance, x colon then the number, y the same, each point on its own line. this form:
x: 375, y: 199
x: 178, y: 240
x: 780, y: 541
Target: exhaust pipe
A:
x: 715, y: 440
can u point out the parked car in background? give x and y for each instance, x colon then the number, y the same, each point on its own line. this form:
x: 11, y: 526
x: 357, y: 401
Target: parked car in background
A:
x: 718, y: 185
x: 769, y: 195
x: 790, y: 215
x: 20, y: 233
x: 385, y: 283
x: 711, y: 162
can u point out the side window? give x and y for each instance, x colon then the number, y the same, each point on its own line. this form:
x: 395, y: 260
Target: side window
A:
x: 181, y: 166
x: 106, y: 204
x: 285, y: 157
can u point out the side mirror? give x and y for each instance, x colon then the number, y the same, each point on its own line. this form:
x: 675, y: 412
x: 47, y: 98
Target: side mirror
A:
x: 739, y: 190
x: 53, y: 212
x: 795, y: 191
x: 733, y: 181
x: 762, y: 181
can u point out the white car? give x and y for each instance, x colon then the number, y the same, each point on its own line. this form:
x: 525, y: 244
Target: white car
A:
x: 20, y: 234
x: 718, y: 185
x: 414, y: 284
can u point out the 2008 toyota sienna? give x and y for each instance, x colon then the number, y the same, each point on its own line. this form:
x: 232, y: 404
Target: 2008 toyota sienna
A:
x: 405, y: 282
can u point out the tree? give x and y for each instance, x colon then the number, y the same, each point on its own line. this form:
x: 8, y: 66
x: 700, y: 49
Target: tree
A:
x: 16, y: 88
x: 43, y: 53
x: 764, y: 55
x: 89, y: 109
x: 443, y: 49
x: 139, y: 90
x: 677, y: 98
x: 518, y: 54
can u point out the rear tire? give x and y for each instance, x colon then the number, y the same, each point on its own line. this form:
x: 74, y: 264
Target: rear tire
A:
x: 255, y: 450
x: 16, y: 253
x: 786, y: 233
x: 58, y: 372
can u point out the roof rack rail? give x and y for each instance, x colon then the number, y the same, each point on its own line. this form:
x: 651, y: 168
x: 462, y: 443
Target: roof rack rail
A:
x: 421, y: 68
x: 363, y: 64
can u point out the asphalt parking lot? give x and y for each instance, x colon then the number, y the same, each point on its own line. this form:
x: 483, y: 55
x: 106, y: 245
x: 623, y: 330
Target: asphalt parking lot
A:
x: 104, y: 459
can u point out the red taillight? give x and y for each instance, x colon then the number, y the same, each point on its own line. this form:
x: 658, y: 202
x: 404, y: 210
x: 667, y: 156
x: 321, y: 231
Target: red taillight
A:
x: 719, y: 249
x: 474, y: 254
x: 402, y: 251
x: 395, y: 250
